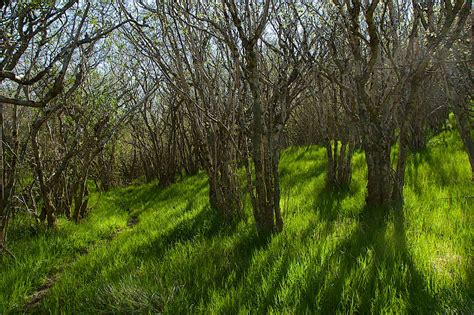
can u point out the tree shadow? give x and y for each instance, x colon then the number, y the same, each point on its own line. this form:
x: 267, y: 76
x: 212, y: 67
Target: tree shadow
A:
x: 419, y: 299
x: 366, y: 247
x: 275, y: 255
x: 132, y: 198
x: 328, y: 202
x: 291, y: 178
x: 440, y: 176
x: 413, y: 172
x: 205, y: 275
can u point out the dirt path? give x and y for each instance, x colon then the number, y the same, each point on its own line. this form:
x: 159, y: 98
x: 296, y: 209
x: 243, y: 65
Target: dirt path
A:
x: 35, y: 299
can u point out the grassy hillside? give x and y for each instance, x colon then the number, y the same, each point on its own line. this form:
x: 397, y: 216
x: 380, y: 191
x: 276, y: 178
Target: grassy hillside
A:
x: 334, y: 254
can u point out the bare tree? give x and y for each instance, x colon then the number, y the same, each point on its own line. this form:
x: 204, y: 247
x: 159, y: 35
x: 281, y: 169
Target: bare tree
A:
x: 387, y: 68
x: 45, y: 48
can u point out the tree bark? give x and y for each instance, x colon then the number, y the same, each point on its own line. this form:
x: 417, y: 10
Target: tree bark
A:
x: 465, y: 130
x: 48, y: 206
x: 399, y: 181
x: 267, y: 212
x: 79, y: 198
x: 344, y: 175
x: 331, y: 169
x: 3, y: 209
x: 224, y: 195
x: 380, y: 183
x: 3, y: 232
x: 339, y: 170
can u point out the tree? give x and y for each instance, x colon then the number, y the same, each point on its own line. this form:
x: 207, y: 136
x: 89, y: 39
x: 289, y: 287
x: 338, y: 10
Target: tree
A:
x: 45, y: 50
x: 387, y: 70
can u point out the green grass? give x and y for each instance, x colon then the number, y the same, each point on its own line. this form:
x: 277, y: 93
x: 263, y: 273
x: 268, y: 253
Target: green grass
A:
x: 333, y: 255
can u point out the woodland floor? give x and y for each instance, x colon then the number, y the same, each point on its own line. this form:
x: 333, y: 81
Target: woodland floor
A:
x: 146, y: 249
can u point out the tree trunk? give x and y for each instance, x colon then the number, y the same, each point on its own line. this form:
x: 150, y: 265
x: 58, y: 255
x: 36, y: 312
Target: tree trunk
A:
x: 224, y: 196
x: 68, y: 201
x: 418, y: 138
x: 7, y: 172
x: 3, y: 231
x: 267, y: 212
x: 45, y: 191
x: 344, y: 174
x: 219, y: 160
x: 339, y: 171
x: 3, y: 209
x: 85, y: 202
x: 380, y: 183
x: 331, y: 169
x: 276, y: 189
x: 465, y: 130
x: 48, y: 207
x: 79, y: 198
x: 399, y: 181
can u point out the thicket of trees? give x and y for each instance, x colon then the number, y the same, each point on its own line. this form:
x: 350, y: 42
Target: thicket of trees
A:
x: 111, y: 92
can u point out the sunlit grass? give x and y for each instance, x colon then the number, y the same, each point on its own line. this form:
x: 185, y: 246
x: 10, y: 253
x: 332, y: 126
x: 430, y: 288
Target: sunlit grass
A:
x: 333, y: 255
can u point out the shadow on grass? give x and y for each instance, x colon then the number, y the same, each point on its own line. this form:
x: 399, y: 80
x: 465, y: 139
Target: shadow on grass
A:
x: 440, y: 176
x: 131, y: 199
x: 206, y: 224
x: 257, y: 263
x: 292, y: 177
x: 214, y: 267
x: 329, y: 200
x: 359, y: 263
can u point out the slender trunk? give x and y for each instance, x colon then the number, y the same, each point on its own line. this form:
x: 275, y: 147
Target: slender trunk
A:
x: 465, y: 130
x: 221, y: 167
x: 399, y: 183
x: 267, y: 200
x: 411, y: 137
x: 4, y: 213
x: 224, y: 196
x: 276, y: 190
x: 85, y: 201
x: 78, y: 202
x: 339, y: 169
x: 331, y: 169
x: 7, y: 174
x: 418, y: 139
x: 3, y: 209
x: 48, y: 207
x: 3, y: 232
x: 68, y: 200
x: 341, y: 163
x: 344, y: 174
x: 45, y: 191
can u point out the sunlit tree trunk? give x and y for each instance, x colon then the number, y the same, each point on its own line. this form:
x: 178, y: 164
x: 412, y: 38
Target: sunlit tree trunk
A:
x: 265, y: 158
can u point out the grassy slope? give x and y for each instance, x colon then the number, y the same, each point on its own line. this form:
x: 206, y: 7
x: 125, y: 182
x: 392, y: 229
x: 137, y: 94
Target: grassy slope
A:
x: 333, y: 254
